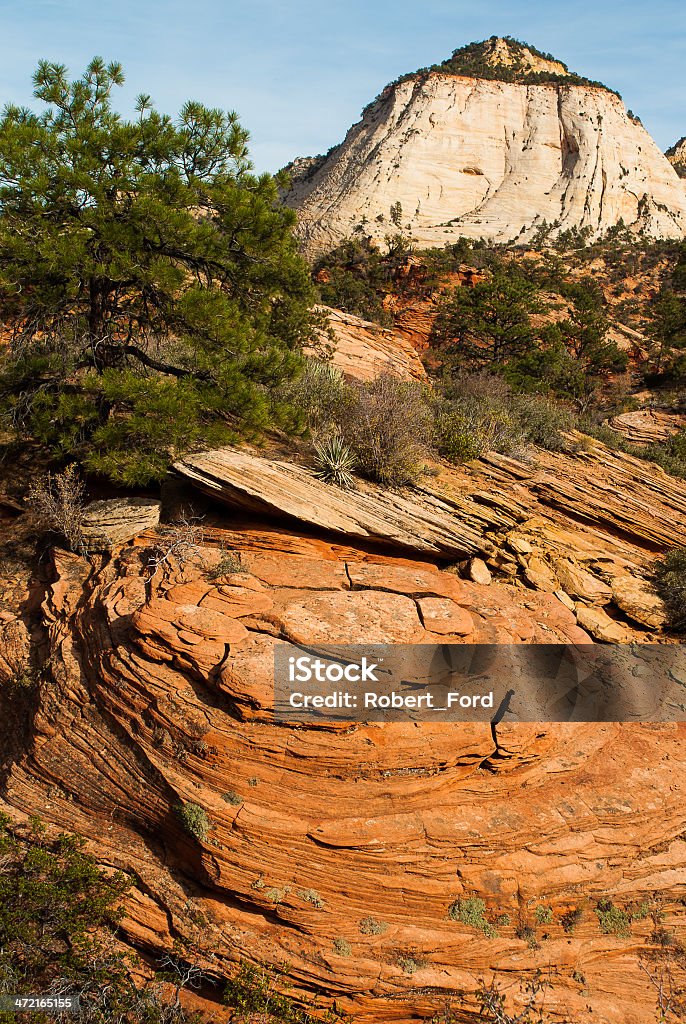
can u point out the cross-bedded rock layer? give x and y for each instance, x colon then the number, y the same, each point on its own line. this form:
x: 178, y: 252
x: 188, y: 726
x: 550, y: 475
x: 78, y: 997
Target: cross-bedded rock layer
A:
x: 468, y: 157
x: 164, y: 700
x: 157, y: 692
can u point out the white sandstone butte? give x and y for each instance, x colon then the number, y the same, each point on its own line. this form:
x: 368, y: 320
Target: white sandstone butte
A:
x: 486, y: 158
x: 677, y: 157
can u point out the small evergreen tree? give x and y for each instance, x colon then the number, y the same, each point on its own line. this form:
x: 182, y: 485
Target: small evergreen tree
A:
x: 56, y: 908
x: 667, y: 328
x: 490, y: 323
x: 58, y: 934
x: 585, y: 331
x: 150, y: 281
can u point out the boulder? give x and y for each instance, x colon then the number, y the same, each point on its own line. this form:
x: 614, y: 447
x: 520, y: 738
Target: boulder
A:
x: 599, y: 624
x: 520, y: 544
x: 117, y: 520
x: 478, y: 572
x: 638, y: 600
x: 565, y: 599
x: 580, y: 583
x: 540, y: 575
x: 645, y: 426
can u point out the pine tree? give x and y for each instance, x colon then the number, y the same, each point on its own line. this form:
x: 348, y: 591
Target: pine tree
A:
x: 491, y: 323
x: 586, y: 329
x: 149, y: 279
x: 667, y: 328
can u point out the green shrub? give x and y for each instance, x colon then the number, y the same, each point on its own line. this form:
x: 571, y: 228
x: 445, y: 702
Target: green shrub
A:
x: 640, y: 912
x: 461, y: 437
x: 478, y: 413
x: 669, y: 454
x: 471, y: 415
x: 319, y: 397
x: 606, y: 435
x: 542, y: 421
x: 342, y: 947
x: 59, y: 914
x: 231, y: 797
x: 229, y: 563
x: 53, y: 897
x: 613, y: 920
x: 669, y: 574
x: 371, y: 926
x: 471, y: 911
x: 193, y: 818
x: 543, y: 914
x: 663, y: 937
x: 389, y: 428
x: 311, y: 896
x: 410, y: 964
x: 527, y: 934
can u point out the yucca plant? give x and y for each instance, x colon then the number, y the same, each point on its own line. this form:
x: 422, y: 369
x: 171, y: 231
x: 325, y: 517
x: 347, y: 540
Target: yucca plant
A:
x: 324, y: 373
x: 335, y: 462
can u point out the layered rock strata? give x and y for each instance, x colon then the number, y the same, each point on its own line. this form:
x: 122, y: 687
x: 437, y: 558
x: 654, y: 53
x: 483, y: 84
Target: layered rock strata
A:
x: 362, y: 350
x: 342, y: 850
x: 585, y: 526
x: 449, y: 156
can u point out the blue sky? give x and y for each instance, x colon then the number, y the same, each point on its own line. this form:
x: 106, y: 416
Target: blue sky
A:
x: 299, y: 72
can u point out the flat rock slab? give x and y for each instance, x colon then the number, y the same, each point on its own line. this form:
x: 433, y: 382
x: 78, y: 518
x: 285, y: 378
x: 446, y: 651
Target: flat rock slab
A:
x: 340, y: 617
x: 117, y: 520
x: 412, y: 520
x: 599, y: 624
x: 644, y: 426
x: 443, y: 616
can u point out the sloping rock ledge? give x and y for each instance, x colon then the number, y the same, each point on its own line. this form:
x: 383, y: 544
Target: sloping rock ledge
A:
x: 421, y: 522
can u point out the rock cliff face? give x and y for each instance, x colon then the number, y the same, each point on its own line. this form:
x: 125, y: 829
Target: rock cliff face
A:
x: 554, y: 526
x: 363, y: 350
x: 676, y: 155
x: 479, y: 157
x: 341, y: 850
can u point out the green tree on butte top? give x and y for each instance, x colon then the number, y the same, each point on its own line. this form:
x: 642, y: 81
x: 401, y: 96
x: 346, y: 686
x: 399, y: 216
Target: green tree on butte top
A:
x: 149, y: 280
